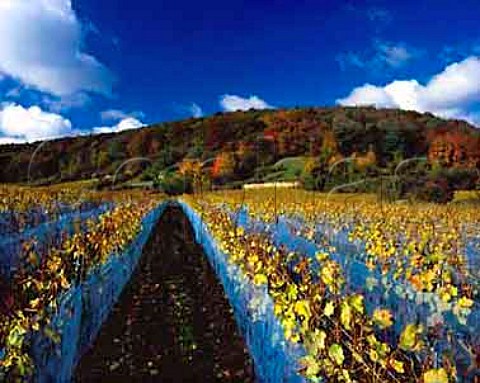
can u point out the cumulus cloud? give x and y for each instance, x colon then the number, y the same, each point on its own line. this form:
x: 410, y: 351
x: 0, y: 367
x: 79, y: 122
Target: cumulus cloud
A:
x: 458, y: 84
x: 11, y: 140
x: 451, y: 94
x: 20, y: 124
x: 125, y: 124
x: 368, y: 95
x: 41, y: 46
x: 231, y: 103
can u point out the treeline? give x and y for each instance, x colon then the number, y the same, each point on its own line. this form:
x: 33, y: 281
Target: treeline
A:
x: 230, y: 147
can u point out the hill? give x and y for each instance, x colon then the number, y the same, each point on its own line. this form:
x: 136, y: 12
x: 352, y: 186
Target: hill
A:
x: 256, y: 141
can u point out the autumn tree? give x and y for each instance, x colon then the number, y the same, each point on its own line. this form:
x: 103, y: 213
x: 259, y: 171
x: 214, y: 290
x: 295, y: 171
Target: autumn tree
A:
x: 329, y: 143
x: 223, y: 166
x: 369, y: 159
x: 192, y: 169
x: 453, y: 148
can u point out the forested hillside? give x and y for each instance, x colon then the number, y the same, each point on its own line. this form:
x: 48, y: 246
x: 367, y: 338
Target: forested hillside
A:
x: 240, y: 142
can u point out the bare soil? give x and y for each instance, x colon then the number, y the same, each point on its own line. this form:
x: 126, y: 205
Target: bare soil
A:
x: 172, y: 322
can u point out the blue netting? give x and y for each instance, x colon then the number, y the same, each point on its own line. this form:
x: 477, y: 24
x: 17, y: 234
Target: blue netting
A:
x: 379, y: 290
x: 12, y: 222
x: 275, y: 359
x: 46, y: 235
x: 54, y: 362
x: 84, y: 308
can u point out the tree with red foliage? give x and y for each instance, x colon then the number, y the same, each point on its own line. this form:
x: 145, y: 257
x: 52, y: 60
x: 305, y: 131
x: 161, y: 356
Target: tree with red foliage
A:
x: 223, y: 166
x: 454, y: 148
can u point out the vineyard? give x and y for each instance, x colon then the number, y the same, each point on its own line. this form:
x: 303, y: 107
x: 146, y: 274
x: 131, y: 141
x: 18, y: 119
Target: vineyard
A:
x: 322, y: 287
x: 58, y: 244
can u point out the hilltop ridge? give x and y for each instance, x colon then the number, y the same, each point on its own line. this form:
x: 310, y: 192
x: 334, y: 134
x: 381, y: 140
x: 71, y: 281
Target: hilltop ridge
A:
x: 258, y: 137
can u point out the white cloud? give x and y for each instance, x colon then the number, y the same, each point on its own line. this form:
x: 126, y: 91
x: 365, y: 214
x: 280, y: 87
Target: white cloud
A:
x: 368, y: 95
x: 118, y: 115
x: 20, y: 124
x: 11, y: 140
x: 41, y: 46
x: 459, y: 83
x: 231, y: 103
x: 451, y: 93
x: 196, y: 111
x: 125, y: 124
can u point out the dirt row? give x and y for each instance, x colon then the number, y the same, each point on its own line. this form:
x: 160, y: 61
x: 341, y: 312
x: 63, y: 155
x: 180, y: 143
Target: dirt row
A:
x: 172, y: 322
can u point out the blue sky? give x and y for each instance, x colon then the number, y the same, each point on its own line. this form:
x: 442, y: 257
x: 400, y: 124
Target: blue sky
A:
x: 84, y: 66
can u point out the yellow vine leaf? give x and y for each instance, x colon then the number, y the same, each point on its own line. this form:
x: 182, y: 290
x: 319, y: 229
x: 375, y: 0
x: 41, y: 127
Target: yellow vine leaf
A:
x: 260, y: 279
x: 409, y: 338
x: 318, y: 340
x: 383, y: 318
x: 465, y: 302
x: 329, y: 309
x: 397, y: 366
x: 346, y: 315
x: 435, y: 376
x: 336, y: 353
x: 357, y: 303
x: 312, y: 367
x: 302, y: 308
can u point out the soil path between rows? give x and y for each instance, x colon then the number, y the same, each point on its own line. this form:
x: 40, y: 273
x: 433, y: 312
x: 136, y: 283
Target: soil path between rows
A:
x: 172, y: 322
